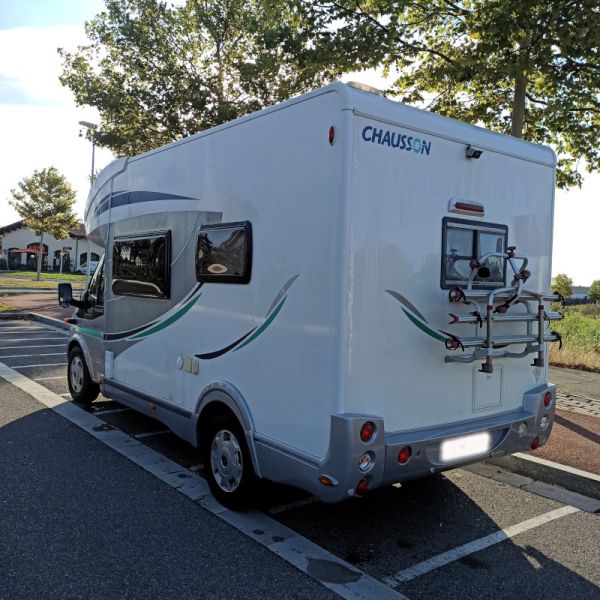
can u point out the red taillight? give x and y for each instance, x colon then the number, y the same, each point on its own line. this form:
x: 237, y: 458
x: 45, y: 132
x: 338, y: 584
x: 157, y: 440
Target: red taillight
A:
x: 362, y: 487
x: 331, y: 135
x: 367, y: 431
x: 404, y: 455
x: 536, y: 443
x: 547, y: 399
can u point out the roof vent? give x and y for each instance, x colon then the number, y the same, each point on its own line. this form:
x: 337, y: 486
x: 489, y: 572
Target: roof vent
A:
x: 363, y: 87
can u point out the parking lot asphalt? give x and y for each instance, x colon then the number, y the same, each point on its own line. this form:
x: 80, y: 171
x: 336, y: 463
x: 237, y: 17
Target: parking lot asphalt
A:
x: 80, y: 520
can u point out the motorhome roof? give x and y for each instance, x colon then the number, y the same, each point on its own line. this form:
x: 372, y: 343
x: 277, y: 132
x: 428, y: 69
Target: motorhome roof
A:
x: 376, y: 107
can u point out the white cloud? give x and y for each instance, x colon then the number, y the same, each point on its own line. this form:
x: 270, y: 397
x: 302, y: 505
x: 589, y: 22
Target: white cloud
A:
x: 38, y: 118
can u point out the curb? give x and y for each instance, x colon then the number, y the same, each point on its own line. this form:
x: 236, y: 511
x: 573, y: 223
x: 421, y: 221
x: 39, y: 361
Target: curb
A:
x: 31, y: 316
x: 582, y: 482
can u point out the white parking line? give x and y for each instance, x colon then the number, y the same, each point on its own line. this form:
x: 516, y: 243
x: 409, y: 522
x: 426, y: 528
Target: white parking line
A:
x: 32, y: 346
x: 275, y: 537
x: 46, y: 378
x: 147, y: 434
x: 26, y: 355
x: 34, y: 339
x: 495, y: 538
x: 275, y: 510
x: 560, y: 467
x: 31, y: 331
x: 109, y: 411
x: 44, y: 365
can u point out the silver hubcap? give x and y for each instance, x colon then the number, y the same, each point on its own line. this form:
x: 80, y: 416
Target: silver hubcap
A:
x: 76, y: 374
x: 226, y: 460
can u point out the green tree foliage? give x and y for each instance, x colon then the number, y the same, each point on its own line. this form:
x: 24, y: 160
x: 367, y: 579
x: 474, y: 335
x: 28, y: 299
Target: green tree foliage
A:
x: 529, y: 69
x: 594, y: 293
x: 157, y: 73
x: 45, y: 201
x: 563, y: 284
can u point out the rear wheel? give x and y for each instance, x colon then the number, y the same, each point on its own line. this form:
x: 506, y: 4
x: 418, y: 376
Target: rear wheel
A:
x: 83, y: 389
x: 227, y: 463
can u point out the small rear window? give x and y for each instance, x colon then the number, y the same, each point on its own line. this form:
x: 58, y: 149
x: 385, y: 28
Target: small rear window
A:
x: 464, y: 240
x: 224, y: 253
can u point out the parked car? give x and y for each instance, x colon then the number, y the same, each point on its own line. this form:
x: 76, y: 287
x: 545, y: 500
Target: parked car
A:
x: 83, y: 269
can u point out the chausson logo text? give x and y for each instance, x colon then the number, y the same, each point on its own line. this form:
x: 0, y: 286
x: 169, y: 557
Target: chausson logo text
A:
x: 392, y: 139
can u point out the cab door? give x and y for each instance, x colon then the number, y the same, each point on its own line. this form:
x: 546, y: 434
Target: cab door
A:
x: 91, y: 320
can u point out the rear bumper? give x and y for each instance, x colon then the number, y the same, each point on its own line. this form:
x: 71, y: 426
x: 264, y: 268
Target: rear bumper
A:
x: 507, y: 433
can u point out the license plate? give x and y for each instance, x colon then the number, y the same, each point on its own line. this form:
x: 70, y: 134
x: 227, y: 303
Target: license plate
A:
x: 465, y: 446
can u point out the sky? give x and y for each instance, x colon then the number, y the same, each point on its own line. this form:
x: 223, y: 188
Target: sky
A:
x: 39, y: 125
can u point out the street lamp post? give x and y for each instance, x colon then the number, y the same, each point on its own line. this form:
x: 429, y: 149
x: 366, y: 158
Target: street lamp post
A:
x: 93, y: 127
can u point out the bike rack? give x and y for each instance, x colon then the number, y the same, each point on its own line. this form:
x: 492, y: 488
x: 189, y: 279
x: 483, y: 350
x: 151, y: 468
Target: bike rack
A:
x: 498, y: 303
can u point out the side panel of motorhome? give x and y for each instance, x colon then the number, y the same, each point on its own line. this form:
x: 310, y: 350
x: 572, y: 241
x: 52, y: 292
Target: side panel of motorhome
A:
x: 273, y: 339
x: 405, y: 179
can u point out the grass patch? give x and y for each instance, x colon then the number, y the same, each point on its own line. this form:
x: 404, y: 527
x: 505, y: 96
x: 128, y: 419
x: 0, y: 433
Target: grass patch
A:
x: 6, y: 308
x: 24, y: 283
x: 580, y: 331
x: 43, y: 276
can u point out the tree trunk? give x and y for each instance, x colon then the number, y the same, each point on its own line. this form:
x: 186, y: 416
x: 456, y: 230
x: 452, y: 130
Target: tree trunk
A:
x: 40, y: 256
x: 518, y: 113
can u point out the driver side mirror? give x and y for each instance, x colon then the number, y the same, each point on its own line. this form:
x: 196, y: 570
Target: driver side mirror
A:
x: 65, y: 294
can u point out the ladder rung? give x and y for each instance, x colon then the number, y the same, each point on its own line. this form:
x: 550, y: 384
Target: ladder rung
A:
x: 504, y: 340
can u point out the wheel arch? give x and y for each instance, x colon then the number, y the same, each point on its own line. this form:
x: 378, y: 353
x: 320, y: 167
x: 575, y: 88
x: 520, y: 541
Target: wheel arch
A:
x: 77, y: 340
x: 224, y: 398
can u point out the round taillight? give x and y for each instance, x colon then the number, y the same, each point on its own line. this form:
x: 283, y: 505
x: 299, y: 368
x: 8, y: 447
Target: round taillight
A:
x: 331, y: 135
x: 367, y: 431
x: 362, y: 487
x: 536, y: 443
x: 404, y: 455
x: 547, y: 399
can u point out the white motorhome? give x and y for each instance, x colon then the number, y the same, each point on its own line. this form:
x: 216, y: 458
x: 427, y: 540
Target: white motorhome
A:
x: 276, y: 290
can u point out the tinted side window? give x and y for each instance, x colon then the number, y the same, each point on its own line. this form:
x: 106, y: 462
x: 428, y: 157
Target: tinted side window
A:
x: 141, y: 266
x: 224, y: 253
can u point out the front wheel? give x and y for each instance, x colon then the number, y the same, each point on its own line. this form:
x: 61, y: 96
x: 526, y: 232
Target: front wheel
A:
x: 83, y: 389
x: 227, y: 463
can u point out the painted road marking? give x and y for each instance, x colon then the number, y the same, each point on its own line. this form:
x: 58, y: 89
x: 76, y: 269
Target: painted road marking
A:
x: 295, y: 549
x: 46, y: 378
x: 475, y: 546
x: 549, y: 463
x: 141, y: 436
x: 29, y: 330
x: 275, y: 510
x: 44, y: 365
x: 32, y: 346
x: 34, y: 339
x: 26, y: 355
x: 109, y: 411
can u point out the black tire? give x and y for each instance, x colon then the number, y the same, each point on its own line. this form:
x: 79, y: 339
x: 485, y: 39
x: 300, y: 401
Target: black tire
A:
x: 83, y: 389
x: 227, y: 463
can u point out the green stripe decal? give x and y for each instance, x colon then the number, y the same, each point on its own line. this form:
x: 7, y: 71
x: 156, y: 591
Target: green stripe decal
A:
x: 89, y: 331
x: 268, y: 321
x: 423, y: 327
x: 174, y: 317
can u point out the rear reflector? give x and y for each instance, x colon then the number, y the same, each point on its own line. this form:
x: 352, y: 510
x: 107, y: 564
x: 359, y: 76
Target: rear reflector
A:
x: 547, y: 399
x: 331, y: 135
x: 362, y: 487
x: 404, y: 455
x: 536, y: 443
